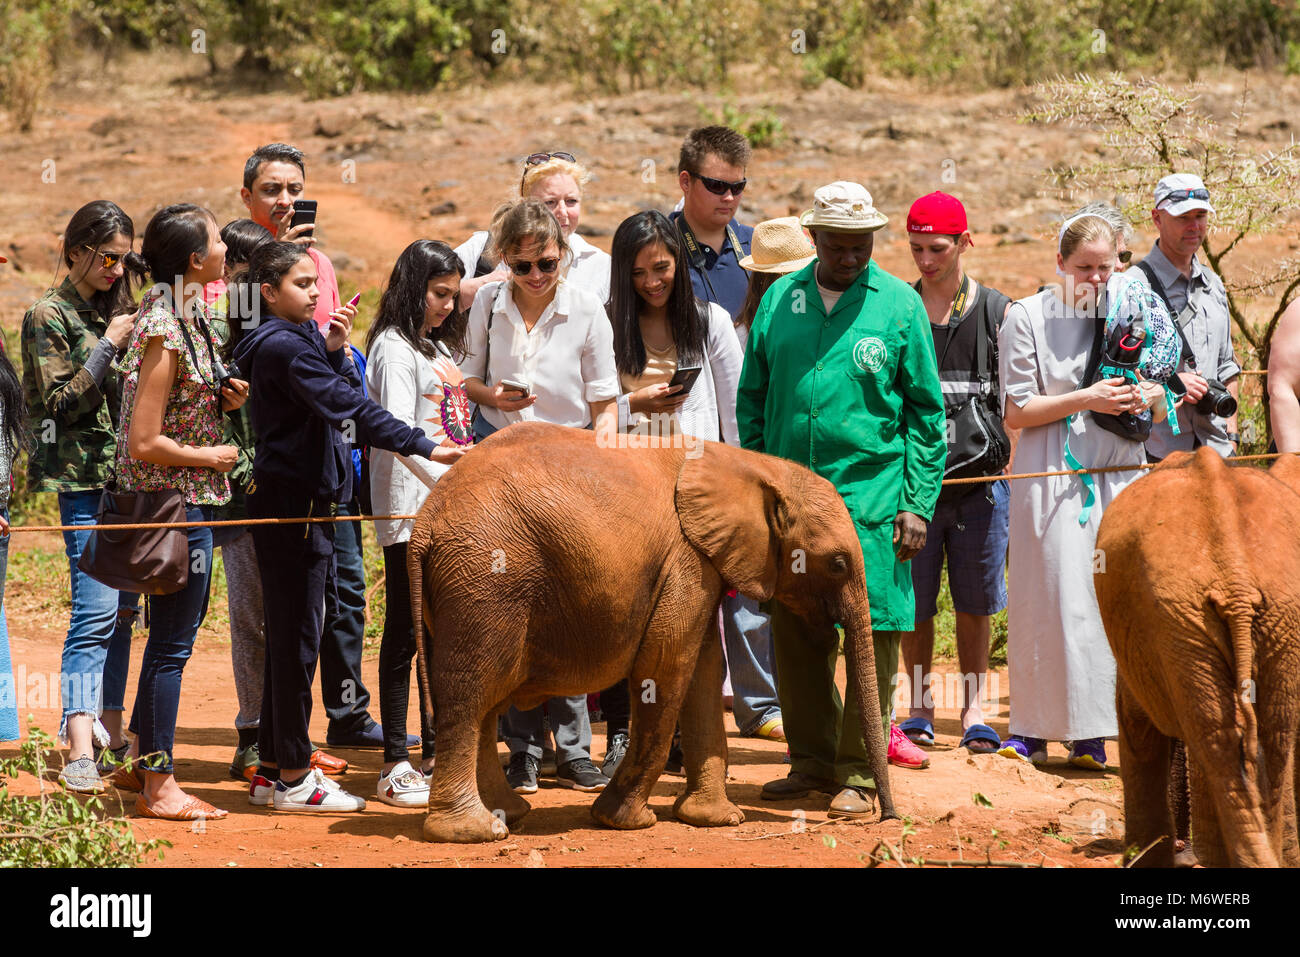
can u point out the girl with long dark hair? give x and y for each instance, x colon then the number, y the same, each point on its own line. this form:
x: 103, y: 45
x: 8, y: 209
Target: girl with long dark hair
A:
x: 70, y: 340
x: 413, y: 344
x: 172, y: 438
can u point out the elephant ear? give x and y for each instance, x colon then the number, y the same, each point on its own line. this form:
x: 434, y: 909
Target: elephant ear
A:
x: 732, y: 507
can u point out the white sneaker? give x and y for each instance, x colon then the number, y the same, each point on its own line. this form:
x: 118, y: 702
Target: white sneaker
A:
x: 316, y: 793
x: 260, y: 791
x: 403, y: 787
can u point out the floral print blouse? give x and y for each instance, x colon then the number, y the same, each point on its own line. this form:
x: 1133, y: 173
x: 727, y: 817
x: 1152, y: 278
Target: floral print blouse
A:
x: 193, y: 413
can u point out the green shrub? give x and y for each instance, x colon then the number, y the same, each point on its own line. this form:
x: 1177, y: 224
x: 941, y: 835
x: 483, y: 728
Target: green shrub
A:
x: 762, y: 128
x: 29, y: 33
x: 57, y: 828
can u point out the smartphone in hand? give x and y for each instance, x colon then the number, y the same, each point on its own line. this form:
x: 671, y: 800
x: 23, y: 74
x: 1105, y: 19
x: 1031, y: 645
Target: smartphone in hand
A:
x: 304, y: 211
x: 684, y: 377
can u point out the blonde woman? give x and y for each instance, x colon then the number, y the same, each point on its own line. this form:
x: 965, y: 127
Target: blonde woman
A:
x: 556, y: 180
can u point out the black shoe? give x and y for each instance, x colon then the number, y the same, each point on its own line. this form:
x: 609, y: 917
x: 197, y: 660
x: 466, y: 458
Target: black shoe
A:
x: 581, y: 775
x: 614, y: 754
x: 521, y: 775
x: 675, y: 758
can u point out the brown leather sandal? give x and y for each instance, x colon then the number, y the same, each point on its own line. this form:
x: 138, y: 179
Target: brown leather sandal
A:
x: 126, y: 778
x: 194, y: 809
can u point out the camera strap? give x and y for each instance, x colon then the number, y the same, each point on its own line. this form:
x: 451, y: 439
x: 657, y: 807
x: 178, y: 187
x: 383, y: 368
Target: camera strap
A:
x: 695, y: 255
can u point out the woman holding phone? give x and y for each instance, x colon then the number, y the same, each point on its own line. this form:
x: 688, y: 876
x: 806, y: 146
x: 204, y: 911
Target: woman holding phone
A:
x: 541, y: 349
x: 171, y: 438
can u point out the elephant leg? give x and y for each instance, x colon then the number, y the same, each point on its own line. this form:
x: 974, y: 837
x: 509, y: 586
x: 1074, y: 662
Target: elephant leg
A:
x: 1144, y: 759
x: 493, y: 789
x: 704, y: 744
x: 456, y: 813
x: 1290, y: 823
x: 1210, y: 851
x: 1228, y: 828
x: 659, y: 678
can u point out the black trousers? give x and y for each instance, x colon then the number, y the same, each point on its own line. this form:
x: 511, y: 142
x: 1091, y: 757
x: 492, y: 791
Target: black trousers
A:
x: 396, y: 650
x: 294, y: 562
x: 344, y: 694
x: 616, y: 704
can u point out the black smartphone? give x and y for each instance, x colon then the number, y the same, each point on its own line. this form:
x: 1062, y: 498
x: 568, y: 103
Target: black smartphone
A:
x: 685, y: 377
x: 304, y: 211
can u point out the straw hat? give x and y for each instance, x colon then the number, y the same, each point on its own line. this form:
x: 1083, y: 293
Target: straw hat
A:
x: 779, y: 246
x: 843, y: 207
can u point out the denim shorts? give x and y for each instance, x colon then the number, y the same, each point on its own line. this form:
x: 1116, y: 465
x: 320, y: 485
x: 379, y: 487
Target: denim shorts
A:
x: 972, y: 532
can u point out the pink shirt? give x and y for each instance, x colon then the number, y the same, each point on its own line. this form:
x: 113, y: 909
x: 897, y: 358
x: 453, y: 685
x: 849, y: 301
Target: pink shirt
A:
x: 327, y: 285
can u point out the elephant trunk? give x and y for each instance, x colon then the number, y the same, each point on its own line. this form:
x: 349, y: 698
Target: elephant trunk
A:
x: 860, y: 658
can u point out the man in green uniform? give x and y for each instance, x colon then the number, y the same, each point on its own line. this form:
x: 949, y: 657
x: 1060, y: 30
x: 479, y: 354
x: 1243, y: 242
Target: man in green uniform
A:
x: 840, y: 376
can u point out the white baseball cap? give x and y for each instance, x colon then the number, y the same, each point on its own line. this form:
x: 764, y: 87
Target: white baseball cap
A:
x: 1180, y: 193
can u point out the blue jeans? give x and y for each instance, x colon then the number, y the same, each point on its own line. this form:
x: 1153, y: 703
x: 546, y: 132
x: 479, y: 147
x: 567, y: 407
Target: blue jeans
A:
x: 173, y: 622
x: 97, y: 649
x: 344, y: 694
x: 750, y: 662
x: 8, y: 693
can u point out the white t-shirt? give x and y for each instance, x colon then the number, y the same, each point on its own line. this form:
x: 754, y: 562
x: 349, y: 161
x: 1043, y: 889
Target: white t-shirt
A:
x: 589, y: 268
x: 567, y: 358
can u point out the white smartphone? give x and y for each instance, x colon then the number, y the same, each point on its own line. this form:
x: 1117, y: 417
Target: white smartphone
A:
x: 517, y: 384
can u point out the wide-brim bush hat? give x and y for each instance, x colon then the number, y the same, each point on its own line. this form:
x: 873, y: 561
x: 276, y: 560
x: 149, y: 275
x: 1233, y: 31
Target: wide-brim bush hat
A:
x: 843, y: 207
x: 779, y: 246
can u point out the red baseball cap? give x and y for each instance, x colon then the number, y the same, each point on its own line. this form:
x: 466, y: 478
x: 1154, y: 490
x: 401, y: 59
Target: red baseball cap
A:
x: 937, y: 213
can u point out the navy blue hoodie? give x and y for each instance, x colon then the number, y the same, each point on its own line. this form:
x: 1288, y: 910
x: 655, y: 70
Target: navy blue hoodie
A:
x: 301, y: 395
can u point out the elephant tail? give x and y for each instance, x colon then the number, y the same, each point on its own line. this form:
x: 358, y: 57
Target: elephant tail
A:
x: 416, y: 551
x: 1237, y: 609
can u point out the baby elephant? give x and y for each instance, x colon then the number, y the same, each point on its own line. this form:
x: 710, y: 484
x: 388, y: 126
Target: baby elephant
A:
x: 550, y: 563
x: 1200, y: 597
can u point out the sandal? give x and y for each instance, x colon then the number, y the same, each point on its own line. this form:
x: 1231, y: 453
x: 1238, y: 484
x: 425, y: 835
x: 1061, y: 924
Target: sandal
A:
x: 194, y: 809
x: 126, y: 778
x: 919, y: 731
x: 770, y: 729
x: 980, y: 739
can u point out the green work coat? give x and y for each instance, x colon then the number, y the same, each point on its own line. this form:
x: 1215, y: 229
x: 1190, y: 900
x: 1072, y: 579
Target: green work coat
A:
x: 855, y: 397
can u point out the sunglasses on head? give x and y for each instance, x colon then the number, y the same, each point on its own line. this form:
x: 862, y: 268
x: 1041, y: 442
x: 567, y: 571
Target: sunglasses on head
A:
x: 537, y: 159
x: 719, y: 187
x: 1178, y: 195
x: 107, y: 260
x: 1126, y: 256
x: 524, y: 266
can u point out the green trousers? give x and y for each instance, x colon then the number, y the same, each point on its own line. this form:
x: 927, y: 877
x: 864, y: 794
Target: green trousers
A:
x: 824, y: 733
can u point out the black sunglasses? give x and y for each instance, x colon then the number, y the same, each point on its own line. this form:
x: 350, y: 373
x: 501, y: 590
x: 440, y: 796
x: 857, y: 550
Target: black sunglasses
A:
x: 524, y: 266
x: 537, y: 159
x: 1126, y: 256
x: 108, y: 260
x: 719, y: 187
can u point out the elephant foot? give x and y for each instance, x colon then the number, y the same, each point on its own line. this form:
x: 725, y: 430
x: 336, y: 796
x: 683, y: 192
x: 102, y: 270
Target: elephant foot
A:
x: 611, y: 810
x: 510, y: 804
x: 471, y: 826
x: 702, y: 810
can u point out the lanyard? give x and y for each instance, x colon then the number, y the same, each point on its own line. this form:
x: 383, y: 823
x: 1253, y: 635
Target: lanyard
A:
x: 958, y: 307
x: 696, y: 254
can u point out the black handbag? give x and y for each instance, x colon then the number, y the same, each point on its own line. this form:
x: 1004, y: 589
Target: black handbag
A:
x: 977, y: 442
x: 148, y: 561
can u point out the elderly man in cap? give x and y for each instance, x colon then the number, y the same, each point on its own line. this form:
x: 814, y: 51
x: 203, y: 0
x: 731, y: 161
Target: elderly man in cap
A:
x: 840, y: 376
x: 1199, y: 304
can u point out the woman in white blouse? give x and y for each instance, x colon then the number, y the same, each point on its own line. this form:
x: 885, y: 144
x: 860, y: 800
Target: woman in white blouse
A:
x: 540, y: 348
x: 556, y: 179
x: 413, y: 344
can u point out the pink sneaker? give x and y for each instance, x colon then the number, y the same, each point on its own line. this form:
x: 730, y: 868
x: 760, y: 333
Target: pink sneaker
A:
x: 903, y: 753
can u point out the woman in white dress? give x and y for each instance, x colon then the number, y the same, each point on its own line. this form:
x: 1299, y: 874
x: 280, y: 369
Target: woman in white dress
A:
x: 1061, y: 669
x: 556, y: 180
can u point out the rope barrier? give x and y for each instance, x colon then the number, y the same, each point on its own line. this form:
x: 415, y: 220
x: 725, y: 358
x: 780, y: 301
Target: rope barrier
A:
x: 325, y: 519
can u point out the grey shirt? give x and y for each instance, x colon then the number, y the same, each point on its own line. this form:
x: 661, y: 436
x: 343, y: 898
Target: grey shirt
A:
x: 1208, y: 330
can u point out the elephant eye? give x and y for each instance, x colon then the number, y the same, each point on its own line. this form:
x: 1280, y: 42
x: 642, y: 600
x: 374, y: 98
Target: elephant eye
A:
x: 839, y: 564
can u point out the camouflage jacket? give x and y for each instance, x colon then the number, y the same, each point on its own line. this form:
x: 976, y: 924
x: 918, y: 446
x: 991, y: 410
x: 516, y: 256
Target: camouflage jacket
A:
x: 73, y: 421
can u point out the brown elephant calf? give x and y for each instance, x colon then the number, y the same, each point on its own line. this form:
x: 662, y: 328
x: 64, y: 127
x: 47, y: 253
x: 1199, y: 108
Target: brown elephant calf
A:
x: 547, y: 564
x: 1200, y: 597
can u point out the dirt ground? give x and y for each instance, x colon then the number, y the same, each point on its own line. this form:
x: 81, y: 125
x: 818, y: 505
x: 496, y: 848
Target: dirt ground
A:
x: 389, y: 169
